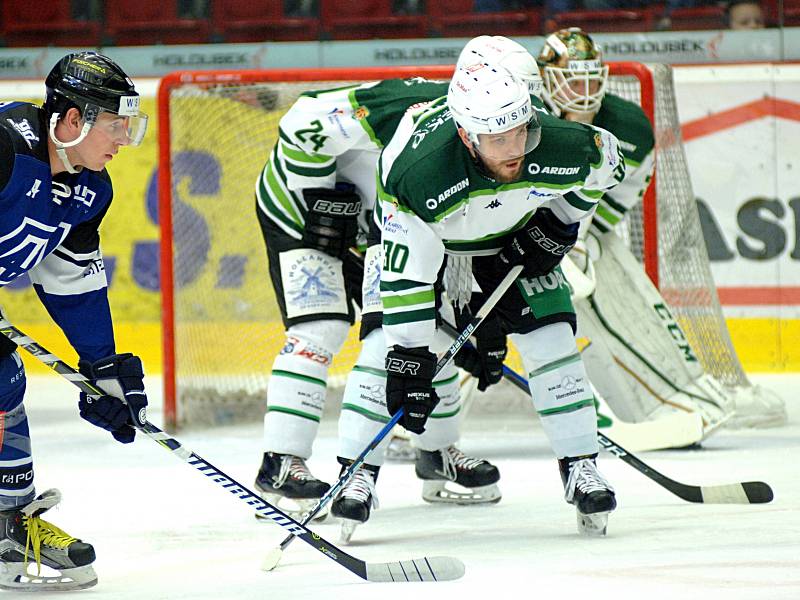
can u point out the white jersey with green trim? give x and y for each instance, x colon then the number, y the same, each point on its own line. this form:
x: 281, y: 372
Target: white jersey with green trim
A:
x: 434, y: 199
x: 331, y: 136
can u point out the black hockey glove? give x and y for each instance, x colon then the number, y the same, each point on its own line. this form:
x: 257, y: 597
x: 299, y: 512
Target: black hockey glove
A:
x: 484, y: 361
x: 120, y: 375
x: 409, y: 385
x: 539, y: 247
x: 332, y: 219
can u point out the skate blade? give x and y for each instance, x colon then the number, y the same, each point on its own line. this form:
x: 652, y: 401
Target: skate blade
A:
x: 296, y: 508
x: 593, y: 525
x: 400, y: 450
x: 346, y: 532
x: 16, y: 577
x: 448, y: 492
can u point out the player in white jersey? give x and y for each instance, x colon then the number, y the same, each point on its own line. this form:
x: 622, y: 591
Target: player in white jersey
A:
x: 506, y: 185
x: 642, y: 382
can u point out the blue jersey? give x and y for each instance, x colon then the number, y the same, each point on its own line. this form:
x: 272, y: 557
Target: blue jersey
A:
x: 49, y: 230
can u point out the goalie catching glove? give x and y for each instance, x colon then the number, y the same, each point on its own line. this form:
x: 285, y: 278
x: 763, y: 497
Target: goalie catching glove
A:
x: 409, y: 385
x: 332, y: 219
x: 540, y: 246
x: 123, y: 407
x: 485, y: 360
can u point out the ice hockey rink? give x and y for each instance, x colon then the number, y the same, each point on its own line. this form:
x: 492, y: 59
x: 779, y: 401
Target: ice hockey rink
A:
x: 162, y: 530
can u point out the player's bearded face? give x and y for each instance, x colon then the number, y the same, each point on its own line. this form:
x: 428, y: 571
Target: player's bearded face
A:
x: 502, y: 153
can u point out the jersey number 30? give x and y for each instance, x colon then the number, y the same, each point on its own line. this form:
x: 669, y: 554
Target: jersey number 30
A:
x: 395, y: 256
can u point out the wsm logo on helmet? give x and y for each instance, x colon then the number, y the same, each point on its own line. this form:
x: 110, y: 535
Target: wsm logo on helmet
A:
x: 129, y: 106
x: 511, y: 117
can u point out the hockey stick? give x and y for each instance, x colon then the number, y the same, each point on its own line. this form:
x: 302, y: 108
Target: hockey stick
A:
x: 435, y: 568
x: 747, y: 492
x: 274, y: 556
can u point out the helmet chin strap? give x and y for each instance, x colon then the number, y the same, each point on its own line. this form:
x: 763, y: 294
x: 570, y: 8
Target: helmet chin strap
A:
x: 61, y: 147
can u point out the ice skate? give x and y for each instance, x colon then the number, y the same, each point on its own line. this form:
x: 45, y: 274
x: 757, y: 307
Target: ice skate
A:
x: 400, y: 448
x: 476, y: 478
x: 284, y: 481
x: 589, y: 492
x: 356, y: 500
x: 62, y: 561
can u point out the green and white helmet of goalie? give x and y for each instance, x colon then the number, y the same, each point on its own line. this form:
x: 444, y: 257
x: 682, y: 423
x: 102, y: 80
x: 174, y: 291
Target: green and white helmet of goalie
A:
x: 574, y: 75
x: 499, y: 50
x: 487, y: 101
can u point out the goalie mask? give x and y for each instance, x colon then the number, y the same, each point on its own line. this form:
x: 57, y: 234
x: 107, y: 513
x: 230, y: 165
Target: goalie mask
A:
x: 574, y: 75
x: 494, y: 109
x: 499, y: 50
x: 93, y: 84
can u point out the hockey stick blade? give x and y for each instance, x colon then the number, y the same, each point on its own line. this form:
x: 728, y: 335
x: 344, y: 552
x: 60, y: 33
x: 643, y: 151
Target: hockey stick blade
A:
x: 747, y: 492
x: 438, y: 568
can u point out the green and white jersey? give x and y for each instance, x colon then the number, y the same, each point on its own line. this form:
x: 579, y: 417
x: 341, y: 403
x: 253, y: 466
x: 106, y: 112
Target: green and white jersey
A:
x: 433, y: 200
x: 628, y: 122
x: 334, y: 135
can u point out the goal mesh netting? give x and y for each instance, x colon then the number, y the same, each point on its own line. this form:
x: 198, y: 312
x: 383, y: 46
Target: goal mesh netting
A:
x: 222, y: 328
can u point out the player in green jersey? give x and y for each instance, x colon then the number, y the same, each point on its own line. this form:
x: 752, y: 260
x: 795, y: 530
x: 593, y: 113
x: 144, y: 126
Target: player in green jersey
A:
x: 489, y: 178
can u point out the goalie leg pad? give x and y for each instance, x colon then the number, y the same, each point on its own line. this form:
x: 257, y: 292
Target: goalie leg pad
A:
x: 298, y: 384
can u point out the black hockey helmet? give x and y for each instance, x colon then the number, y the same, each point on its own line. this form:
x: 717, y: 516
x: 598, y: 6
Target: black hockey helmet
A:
x: 94, y: 83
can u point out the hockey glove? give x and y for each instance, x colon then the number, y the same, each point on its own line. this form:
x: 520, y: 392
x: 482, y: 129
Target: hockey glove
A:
x: 540, y: 246
x: 484, y: 361
x: 123, y: 408
x: 409, y: 385
x: 332, y: 219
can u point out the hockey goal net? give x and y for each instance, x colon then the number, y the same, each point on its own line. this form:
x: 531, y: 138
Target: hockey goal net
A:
x: 221, y: 324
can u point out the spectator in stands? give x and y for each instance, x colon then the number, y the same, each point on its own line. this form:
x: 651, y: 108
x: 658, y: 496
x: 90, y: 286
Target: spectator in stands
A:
x: 744, y: 14
x: 407, y: 7
x: 301, y: 8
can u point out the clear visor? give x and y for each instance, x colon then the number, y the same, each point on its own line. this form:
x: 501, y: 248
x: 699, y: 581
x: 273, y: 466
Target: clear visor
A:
x: 509, y: 145
x: 123, y: 130
x: 576, y: 91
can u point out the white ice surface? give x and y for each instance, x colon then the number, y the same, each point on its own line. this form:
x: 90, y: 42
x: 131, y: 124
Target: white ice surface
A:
x: 161, y: 530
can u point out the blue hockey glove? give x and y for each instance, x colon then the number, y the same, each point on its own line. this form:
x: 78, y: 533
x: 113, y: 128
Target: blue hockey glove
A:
x: 123, y: 408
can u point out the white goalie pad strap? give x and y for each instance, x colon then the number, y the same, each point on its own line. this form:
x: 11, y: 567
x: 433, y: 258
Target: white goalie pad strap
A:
x: 313, y: 283
x: 371, y: 285
x: 757, y: 407
x: 581, y: 282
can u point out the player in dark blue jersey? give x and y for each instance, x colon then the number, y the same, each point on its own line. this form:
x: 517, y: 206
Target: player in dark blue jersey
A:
x: 54, y: 192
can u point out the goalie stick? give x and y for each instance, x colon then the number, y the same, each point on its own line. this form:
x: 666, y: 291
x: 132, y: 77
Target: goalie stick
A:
x: 747, y: 492
x: 435, y: 568
x: 274, y: 556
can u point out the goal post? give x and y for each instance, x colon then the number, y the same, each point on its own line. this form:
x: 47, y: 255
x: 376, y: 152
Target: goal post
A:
x: 221, y: 325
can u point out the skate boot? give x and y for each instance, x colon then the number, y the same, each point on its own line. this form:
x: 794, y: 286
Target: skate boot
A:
x: 588, y: 490
x: 25, y: 537
x: 476, y: 478
x: 284, y: 481
x: 356, y: 500
x: 399, y: 448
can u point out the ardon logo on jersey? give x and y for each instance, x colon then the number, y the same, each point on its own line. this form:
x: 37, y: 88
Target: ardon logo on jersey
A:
x: 535, y: 169
x: 433, y: 203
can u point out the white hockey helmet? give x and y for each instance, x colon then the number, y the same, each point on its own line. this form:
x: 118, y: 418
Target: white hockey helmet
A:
x: 487, y: 101
x: 572, y: 67
x: 499, y: 50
